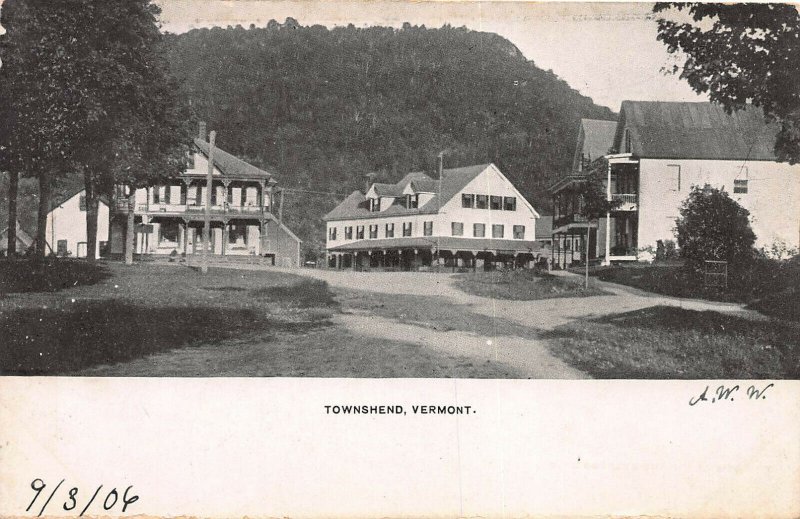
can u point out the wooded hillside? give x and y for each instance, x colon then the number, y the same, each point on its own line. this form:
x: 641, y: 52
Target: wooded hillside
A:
x: 323, y: 108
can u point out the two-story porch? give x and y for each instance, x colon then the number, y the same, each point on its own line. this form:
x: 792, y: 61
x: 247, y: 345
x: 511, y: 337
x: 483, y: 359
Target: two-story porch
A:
x: 610, y: 238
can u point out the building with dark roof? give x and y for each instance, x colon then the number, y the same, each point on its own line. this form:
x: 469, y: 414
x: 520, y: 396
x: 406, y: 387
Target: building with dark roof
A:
x: 656, y: 153
x: 169, y: 218
x: 24, y: 240
x: 471, y: 217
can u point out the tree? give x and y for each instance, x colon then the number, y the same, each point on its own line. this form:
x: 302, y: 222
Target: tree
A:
x: 139, y: 131
x: 713, y: 226
x: 38, y: 108
x: 594, y: 202
x: 126, y: 122
x: 740, y: 54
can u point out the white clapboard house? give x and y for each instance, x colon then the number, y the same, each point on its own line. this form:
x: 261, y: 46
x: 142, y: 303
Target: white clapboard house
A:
x: 169, y: 218
x: 657, y: 151
x: 472, y: 217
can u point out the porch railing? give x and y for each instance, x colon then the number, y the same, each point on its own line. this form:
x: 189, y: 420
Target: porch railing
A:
x: 625, y: 198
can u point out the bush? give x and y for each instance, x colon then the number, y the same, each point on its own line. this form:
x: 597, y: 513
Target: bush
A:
x: 713, y: 226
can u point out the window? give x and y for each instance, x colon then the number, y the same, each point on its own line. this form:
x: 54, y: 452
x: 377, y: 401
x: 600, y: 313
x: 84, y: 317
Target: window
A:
x: 406, y: 228
x: 374, y: 204
x: 481, y: 201
x: 184, y: 194
x: 237, y: 234
x: 373, y: 232
x: 156, y: 195
x: 332, y: 233
x: 348, y: 233
x: 427, y: 228
x: 510, y: 203
x: 497, y: 230
x: 628, y: 146
x: 740, y: 186
x: 519, y: 232
x: 673, y: 178
x: 168, y: 233
x: 360, y: 232
x: 412, y: 201
x: 457, y: 228
x: 167, y: 190
x: 390, y: 230
x: 468, y: 201
x: 61, y: 248
x: 479, y: 230
x: 496, y: 203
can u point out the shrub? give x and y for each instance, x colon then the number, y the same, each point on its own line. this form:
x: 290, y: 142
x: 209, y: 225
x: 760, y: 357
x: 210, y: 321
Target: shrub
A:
x: 713, y: 226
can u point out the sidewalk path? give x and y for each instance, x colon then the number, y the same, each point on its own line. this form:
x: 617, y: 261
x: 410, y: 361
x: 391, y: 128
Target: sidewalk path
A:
x: 531, y: 357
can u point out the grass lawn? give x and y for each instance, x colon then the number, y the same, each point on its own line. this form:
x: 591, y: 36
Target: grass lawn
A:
x: 768, y: 286
x: 524, y: 285
x: 674, y: 343
x: 162, y: 320
x: 431, y: 313
x: 17, y: 275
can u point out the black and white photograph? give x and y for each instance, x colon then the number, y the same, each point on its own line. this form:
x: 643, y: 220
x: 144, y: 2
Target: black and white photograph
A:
x: 219, y: 198
x: 557, y: 191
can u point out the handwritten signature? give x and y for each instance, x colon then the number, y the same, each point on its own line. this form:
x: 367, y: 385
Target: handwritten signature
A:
x: 727, y: 394
x: 71, y: 502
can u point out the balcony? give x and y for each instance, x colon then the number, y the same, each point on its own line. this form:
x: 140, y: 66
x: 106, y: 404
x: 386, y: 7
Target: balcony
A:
x: 628, y: 202
x: 121, y: 206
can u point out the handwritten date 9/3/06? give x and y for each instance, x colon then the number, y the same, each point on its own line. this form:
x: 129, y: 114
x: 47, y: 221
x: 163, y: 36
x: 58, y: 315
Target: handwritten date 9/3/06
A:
x: 110, y: 499
x: 729, y: 394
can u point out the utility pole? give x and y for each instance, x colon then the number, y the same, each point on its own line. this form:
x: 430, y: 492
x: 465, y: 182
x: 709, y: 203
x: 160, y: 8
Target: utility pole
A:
x: 588, y: 232
x: 280, y: 208
x: 209, y: 181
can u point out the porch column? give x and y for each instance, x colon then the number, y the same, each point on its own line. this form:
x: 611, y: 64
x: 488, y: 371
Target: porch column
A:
x: 224, y: 236
x: 185, y: 236
x: 606, y: 261
x: 416, y: 259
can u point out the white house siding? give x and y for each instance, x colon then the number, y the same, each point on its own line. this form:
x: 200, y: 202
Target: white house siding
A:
x: 773, y: 196
x: 491, y: 183
x: 68, y: 222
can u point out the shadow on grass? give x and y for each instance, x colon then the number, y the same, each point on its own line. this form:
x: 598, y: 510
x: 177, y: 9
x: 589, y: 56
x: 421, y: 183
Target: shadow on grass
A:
x: 308, y: 293
x: 22, y: 275
x: 51, y: 341
x: 669, y: 342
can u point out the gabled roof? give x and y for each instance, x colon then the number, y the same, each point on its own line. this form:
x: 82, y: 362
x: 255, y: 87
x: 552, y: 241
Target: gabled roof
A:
x: 453, y: 181
x: 22, y: 237
x: 544, y: 228
x: 62, y: 199
x: 229, y: 165
x: 595, y: 139
x: 695, y: 131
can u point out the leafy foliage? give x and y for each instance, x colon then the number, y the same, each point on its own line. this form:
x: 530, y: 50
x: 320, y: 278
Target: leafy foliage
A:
x: 742, y: 53
x: 713, y: 226
x: 593, y: 193
x: 326, y: 107
x: 89, y: 91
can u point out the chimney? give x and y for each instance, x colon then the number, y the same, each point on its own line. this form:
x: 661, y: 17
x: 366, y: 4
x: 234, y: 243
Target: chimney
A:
x: 370, y: 178
x: 201, y: 134
x: 440, y: 164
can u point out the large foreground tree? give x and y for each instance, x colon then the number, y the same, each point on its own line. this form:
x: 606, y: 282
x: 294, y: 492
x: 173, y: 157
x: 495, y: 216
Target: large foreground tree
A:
x: 739, y: 54
x: 111, y: 86
x: 39, y: 116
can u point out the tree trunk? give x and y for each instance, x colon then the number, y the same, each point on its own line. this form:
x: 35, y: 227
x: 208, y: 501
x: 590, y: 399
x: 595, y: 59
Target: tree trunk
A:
x: 91, y: 218
x: 45, y: 189
x: 13, y: 188
x: 129, y: 228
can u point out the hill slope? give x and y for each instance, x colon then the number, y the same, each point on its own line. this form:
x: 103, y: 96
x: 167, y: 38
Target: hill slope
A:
x: 326, y: 107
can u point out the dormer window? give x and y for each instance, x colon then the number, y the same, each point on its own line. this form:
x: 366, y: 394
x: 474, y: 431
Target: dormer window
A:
x: 412, y: 201
x: 374, y: 204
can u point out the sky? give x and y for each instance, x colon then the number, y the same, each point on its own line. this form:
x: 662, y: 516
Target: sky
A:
x: 607, y: 51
